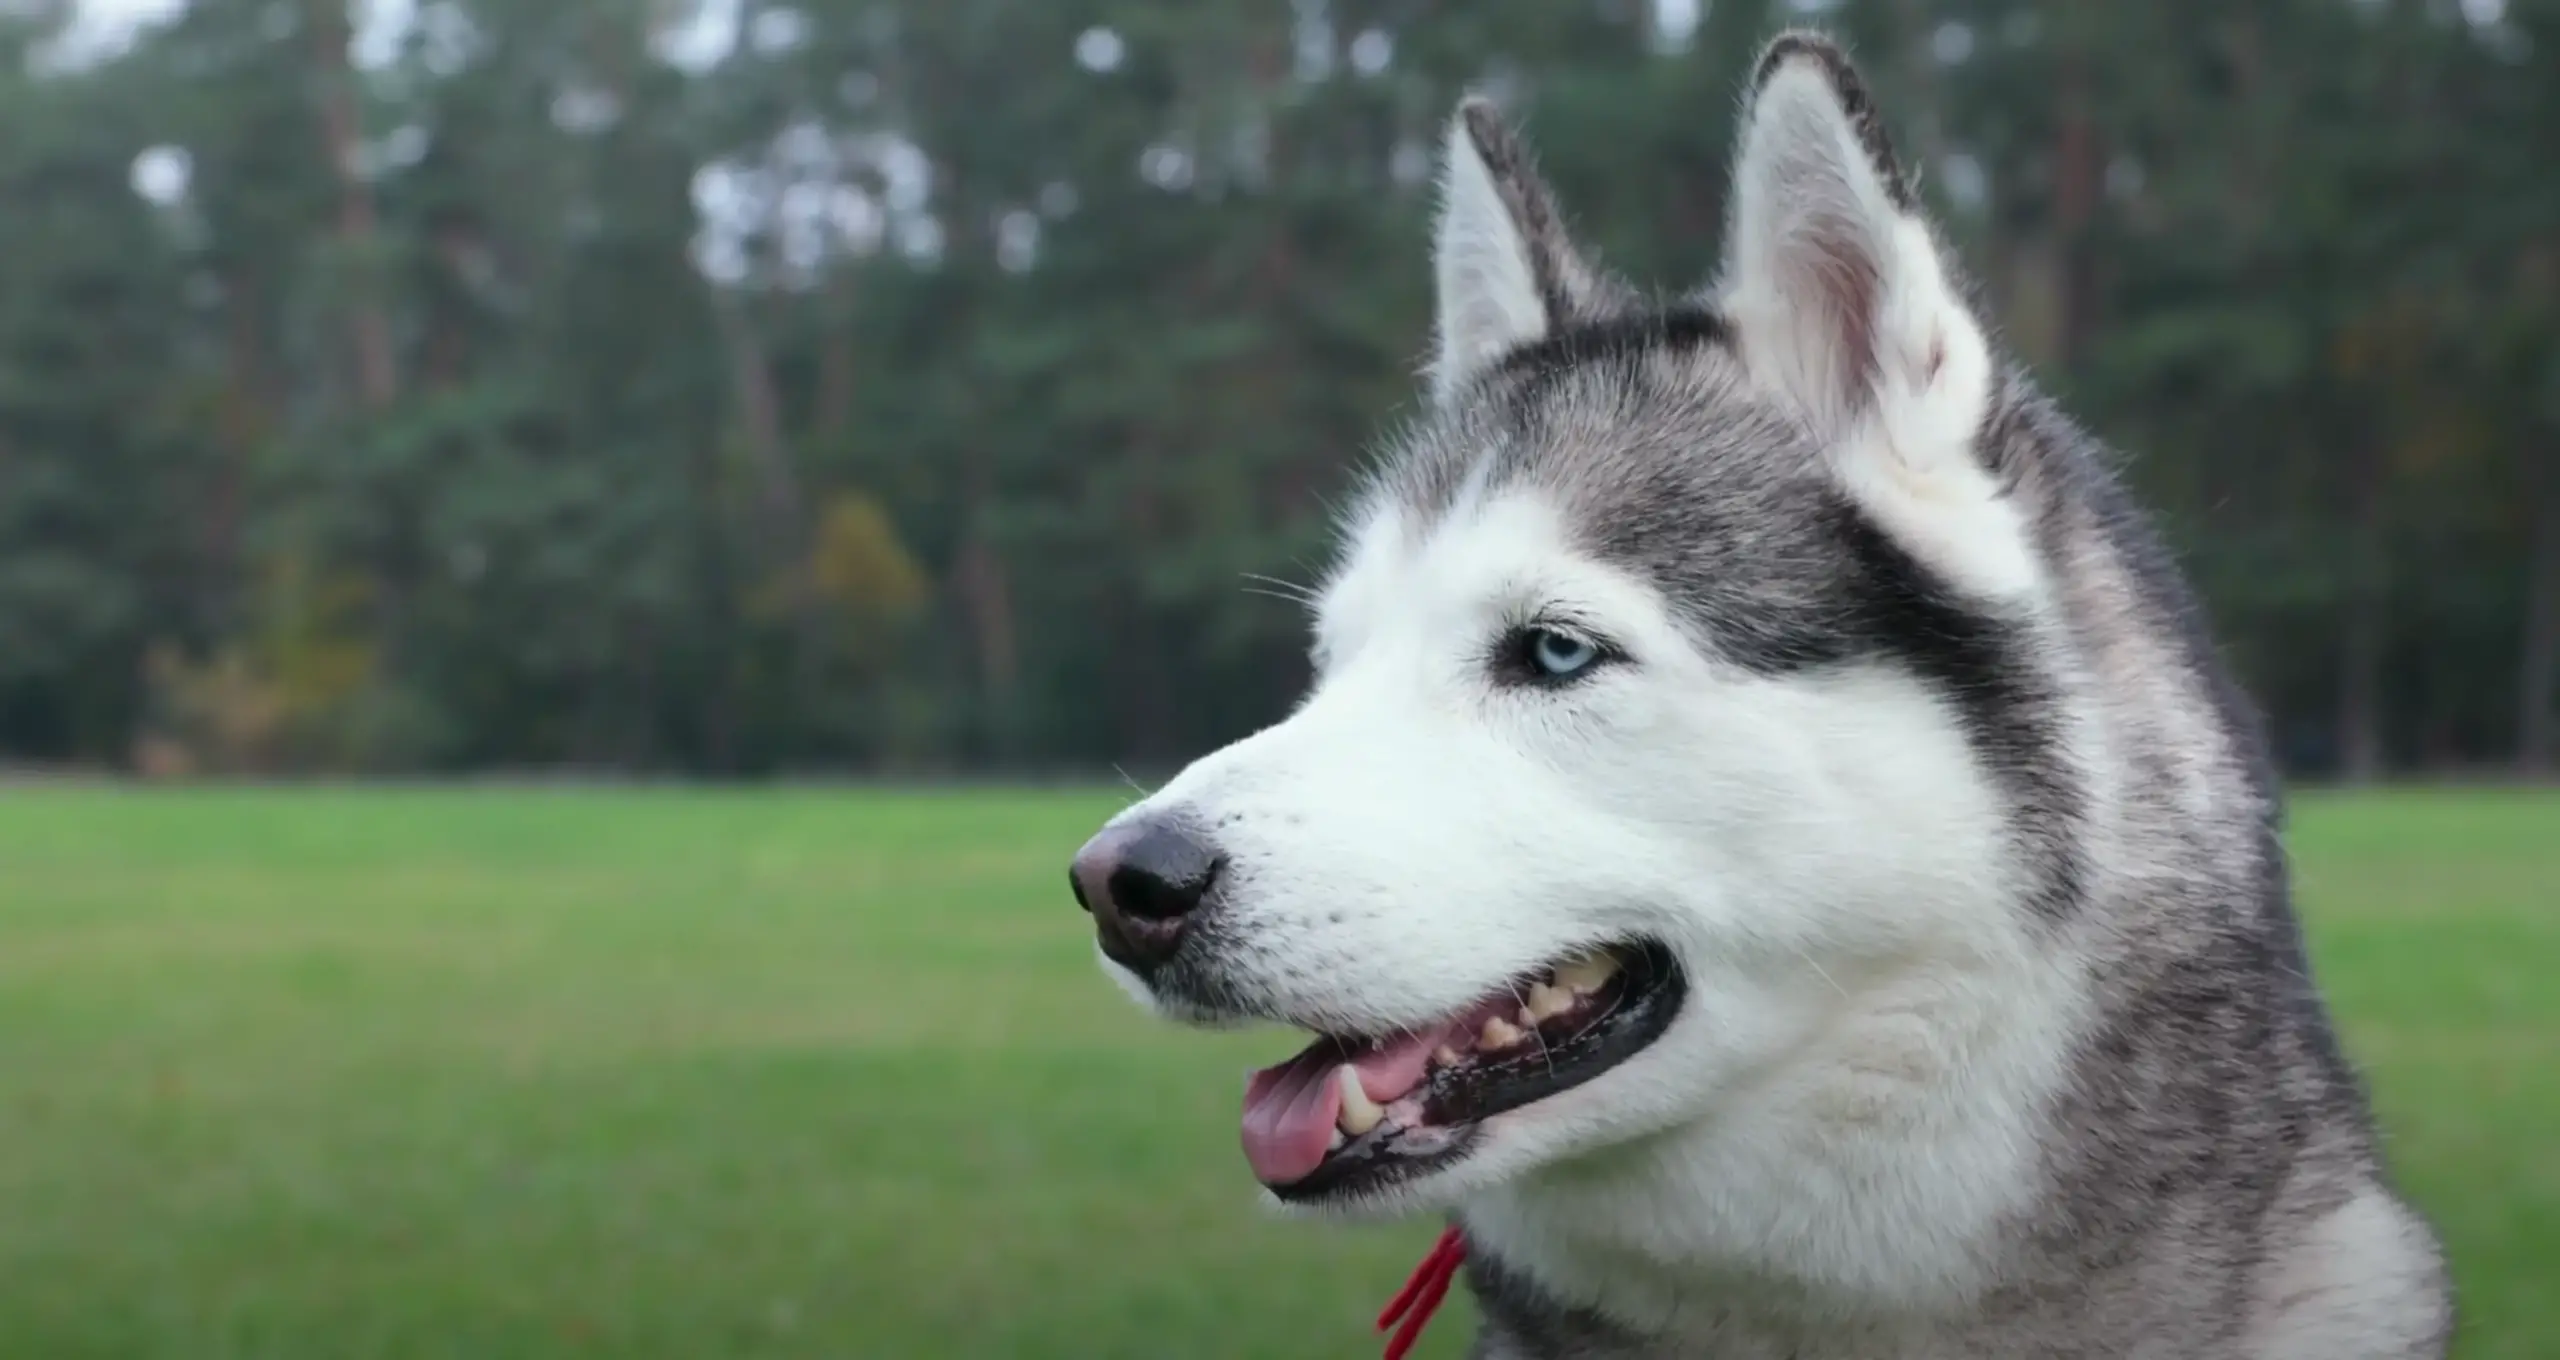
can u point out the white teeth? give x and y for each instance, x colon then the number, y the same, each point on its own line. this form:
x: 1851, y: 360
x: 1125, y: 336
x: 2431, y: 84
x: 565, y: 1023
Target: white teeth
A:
x: 1498, y: 1034
x: 1586, y: 974
x: 1545, y: 1001
x: 1359, y: 1113
x: 1444, y: 1056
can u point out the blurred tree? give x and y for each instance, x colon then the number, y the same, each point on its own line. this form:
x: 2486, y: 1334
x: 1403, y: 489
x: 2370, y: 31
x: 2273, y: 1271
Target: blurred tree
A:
x: 735, y: 385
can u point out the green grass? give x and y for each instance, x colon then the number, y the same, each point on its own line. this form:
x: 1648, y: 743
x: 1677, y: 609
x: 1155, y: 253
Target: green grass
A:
x: 509, y: 1074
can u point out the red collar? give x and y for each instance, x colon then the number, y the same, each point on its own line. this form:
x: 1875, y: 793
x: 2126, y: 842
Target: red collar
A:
x: 1411, y: 1309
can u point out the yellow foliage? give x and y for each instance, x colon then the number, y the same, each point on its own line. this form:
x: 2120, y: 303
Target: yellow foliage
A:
x: 240, y: 709
x: 311, y: 645
x: 857, y: 562
x: 218, y: 714
x: 858, y: 571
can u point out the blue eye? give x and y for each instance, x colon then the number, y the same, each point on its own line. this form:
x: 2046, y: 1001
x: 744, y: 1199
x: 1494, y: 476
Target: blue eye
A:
x: 1559, y: 656
x: 1549, y: 656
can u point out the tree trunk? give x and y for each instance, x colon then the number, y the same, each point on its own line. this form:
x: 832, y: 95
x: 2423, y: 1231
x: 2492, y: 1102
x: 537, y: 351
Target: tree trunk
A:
x: 713, y: 666
x: 241, y: 424
x: 2537, y: 724
x: 759, y: 408
x: 786, y: 521
x: 979, y: 576
x: 2078, y: 174
x: 377, y: 373
x: 987, y: 596
x: 2256, y: 155
x: 831, y: 412
x: 2362, y: 634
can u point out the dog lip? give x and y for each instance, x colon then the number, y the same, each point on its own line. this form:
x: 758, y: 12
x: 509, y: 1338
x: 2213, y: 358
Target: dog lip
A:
x: 1455, y: 1104
x: 1379, y: 1161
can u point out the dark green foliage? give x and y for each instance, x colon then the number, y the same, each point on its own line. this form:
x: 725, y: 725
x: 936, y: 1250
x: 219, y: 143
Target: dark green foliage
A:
x: 432, y: 429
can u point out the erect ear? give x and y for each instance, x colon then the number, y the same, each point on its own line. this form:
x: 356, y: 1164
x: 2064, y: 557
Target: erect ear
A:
x: 1838, y: 299
x: 1507, y: 273
x: 1833, y: 281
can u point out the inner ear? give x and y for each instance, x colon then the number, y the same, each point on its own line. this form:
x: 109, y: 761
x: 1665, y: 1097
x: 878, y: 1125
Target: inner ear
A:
x: 1832, y: 277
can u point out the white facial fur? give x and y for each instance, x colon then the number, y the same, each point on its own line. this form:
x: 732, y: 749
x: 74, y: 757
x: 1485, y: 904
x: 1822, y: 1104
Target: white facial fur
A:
x: 1416, y: 833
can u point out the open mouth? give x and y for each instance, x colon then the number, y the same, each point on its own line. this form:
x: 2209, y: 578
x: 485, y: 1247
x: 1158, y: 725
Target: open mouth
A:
x: 1355, y: 1114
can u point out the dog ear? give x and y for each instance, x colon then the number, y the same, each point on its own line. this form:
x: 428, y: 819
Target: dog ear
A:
x: 1507, y: 273
x: 1833, y: 280
x: 1839, y: 299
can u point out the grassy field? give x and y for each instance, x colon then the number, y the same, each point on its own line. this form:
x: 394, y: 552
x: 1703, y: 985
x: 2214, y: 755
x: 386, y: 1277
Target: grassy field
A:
x: 513, y: 1074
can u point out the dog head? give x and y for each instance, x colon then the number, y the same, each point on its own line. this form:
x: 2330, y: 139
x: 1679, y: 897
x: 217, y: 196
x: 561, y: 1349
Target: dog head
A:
x: 1675, y: 679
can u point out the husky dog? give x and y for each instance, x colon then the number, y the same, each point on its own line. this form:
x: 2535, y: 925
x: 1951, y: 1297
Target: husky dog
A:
x: 1770, y: 850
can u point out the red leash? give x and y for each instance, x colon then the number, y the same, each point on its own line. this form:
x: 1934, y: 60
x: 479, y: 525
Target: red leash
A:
x: 1411, y: 1309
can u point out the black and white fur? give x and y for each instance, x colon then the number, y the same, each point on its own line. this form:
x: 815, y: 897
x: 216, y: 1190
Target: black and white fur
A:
x: 1999, y: 1038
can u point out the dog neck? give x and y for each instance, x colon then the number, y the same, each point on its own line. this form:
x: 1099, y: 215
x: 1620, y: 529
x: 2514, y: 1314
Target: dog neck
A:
x: 1874, y: 1175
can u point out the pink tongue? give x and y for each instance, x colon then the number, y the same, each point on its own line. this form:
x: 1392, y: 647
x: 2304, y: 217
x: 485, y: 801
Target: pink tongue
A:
x: 1290, y: 1109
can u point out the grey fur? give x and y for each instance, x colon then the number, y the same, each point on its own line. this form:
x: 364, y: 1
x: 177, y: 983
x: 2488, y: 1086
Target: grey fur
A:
x: 2212, y: 1183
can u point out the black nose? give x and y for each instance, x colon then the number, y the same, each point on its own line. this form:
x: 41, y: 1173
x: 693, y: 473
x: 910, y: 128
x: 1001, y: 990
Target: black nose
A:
x: 1142, y: 882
